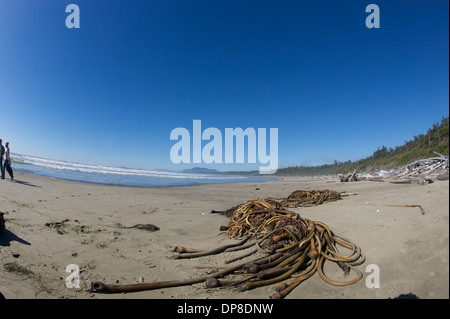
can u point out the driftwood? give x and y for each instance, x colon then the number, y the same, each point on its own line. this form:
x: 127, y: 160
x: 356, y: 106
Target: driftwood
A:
x: 349, y: 177
x: 423, y: 171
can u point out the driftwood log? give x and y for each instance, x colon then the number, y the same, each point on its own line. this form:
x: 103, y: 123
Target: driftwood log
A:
x: 422, y: 171
x: 348, y: 177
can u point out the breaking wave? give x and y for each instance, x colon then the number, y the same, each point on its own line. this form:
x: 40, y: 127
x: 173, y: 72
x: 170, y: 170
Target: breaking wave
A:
x: 118, y: 175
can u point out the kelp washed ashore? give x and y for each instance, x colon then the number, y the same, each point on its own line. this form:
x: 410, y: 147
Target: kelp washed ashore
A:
x: 288, y: 249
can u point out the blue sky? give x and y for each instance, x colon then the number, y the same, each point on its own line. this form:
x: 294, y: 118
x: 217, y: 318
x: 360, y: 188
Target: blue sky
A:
x: 112, y: 91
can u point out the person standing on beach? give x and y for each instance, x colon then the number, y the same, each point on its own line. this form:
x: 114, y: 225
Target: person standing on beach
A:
x: 7, y: 163
x: 2, y: 152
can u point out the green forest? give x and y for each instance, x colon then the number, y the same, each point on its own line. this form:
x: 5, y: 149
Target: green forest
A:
x: 436, y: 139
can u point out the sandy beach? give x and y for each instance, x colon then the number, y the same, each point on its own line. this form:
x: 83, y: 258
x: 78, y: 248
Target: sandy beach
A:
x: 53, y: 223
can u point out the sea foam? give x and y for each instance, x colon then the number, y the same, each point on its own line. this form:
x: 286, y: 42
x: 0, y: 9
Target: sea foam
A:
x: 118, y: 175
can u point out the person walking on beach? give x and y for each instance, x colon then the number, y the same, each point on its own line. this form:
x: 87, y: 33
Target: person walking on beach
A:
x: 2, y: 152
x: 7, y: 163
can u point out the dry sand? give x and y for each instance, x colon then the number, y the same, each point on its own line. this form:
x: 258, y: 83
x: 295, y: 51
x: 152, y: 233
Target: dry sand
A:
x: 410, y: 249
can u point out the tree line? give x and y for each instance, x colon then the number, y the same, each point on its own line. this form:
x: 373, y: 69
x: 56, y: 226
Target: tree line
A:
x: 436, y: 139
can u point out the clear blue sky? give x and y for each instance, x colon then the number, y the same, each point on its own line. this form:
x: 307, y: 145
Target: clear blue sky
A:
x: 112, y: 91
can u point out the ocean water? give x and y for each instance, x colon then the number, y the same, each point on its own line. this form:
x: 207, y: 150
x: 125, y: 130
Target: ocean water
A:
x: 119, y: 175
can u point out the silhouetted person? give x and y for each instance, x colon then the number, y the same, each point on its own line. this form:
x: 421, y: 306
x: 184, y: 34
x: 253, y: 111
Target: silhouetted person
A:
x: 7, y: 163
x: 2, y: 152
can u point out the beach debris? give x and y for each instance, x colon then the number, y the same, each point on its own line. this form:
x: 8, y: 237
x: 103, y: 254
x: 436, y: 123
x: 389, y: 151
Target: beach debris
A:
x: 17, y: 269
x: 422, y: 171
x: 2, y: 222
x: 349, y: 177
x: 306, y: 198
x: 388, y: 205
x: 59, y: 226
x: 298, y: 198
x: 261, y: 211
x: 81, y: 229
x: 63, y: 226
x: 227, y: 212
x: 194, y: 253
x: 289, y: 248
x: 147, y: 227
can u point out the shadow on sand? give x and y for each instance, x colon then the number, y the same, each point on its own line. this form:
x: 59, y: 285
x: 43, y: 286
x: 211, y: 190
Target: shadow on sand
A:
x: 25, y: 183
x: 6, y: 237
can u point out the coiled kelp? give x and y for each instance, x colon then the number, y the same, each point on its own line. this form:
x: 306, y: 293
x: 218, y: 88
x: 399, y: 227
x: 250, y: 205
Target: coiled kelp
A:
x: 288, y: 249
